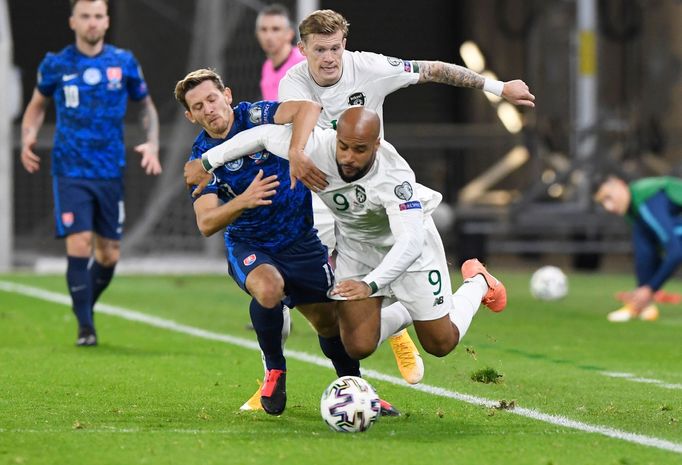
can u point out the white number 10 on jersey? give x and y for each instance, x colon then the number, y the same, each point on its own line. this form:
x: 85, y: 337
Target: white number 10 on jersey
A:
x: 71, y: 96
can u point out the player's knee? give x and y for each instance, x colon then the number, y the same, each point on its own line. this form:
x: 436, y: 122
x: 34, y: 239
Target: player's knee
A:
x: 266, y: 285
x: 359, y: 348
x: 269, y: 300
x: 439, y: 348
x: 79, y: 244
x: 109, y: 257
x: 268, y: 295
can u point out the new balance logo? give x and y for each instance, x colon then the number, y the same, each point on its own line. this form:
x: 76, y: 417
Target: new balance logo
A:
x: 438, y: 301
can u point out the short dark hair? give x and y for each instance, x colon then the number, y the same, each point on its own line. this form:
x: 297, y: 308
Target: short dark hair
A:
x: 73, y: 3
x: 275, y: 9
x: 193, y: 79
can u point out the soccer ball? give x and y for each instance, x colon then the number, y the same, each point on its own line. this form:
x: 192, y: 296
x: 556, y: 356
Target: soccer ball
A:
x: 548, y: 283
x: 350, y: 405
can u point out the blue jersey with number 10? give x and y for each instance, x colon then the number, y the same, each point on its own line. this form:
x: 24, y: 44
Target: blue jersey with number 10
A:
x: 271, y: 227
x: 91, y: 95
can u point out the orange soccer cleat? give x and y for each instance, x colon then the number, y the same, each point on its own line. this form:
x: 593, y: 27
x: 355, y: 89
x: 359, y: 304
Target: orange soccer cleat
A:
x: 496, y: 297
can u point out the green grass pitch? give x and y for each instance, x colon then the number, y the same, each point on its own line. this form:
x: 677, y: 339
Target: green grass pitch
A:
x: 152, y: 395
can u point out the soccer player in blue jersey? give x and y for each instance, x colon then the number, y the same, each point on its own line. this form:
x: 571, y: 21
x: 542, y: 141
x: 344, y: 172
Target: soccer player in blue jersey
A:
x: 653, y: 206
x: 90, y: 82
x: 272, y: 249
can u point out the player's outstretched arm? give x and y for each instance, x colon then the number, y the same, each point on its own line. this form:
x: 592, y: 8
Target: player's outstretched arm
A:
x: 515, y: 92
x: 303, y: 114
x: 31, y: 123
x: 212, y: 217
x: 271, y: 137
x: 150, y: 149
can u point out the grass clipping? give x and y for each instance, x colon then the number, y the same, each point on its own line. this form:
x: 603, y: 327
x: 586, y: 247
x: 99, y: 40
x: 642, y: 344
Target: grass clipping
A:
x: 487, y: 376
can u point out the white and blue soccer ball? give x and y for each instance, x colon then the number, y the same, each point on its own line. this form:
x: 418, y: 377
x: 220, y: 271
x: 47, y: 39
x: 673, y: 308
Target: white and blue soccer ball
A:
x: 549, y: 283
x: 350, y: 405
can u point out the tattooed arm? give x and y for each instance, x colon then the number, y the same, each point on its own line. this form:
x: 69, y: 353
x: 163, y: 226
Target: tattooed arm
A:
x: 515, y: 91
x: 150, y: 149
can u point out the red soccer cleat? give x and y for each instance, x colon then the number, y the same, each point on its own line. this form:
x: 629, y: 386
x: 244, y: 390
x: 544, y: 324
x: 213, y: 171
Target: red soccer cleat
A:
x: 273, y: 394
x: 387, y: 410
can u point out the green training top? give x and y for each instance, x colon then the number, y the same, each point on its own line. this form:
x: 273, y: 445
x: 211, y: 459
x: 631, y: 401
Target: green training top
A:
x: 643, y: 189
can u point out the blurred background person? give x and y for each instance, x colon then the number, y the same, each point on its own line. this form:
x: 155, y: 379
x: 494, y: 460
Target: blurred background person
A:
x: 275, y: 36
x: 653, y: 206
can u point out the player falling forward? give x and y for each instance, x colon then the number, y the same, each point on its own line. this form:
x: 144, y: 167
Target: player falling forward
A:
x: 338, y: 79
x: 273, y: 252
x: 387, y: 243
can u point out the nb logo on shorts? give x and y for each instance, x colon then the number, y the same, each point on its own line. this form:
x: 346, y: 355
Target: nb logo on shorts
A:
x: 250, y: 259
x: 438, y: 301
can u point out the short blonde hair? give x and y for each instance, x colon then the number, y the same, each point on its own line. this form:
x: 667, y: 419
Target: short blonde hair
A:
x: 193, y: 79
x: 324, y: 22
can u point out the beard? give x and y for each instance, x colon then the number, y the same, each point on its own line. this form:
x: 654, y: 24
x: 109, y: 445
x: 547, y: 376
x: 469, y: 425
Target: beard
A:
x: 359, y: 173
x: 353, y: 177
x: 93, y: 37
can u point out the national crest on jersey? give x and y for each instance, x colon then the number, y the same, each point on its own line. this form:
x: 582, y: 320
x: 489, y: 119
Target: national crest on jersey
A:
x: 271, y: 227
x: 91, y: 97
x: 366, y: 80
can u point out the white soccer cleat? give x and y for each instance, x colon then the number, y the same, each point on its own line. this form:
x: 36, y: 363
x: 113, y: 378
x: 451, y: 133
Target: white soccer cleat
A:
x: 407, y: 357
x: 621, y: 315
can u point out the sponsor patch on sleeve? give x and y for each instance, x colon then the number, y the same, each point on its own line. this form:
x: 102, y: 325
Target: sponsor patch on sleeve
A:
x: 415, y: 204
x: 255, y: 114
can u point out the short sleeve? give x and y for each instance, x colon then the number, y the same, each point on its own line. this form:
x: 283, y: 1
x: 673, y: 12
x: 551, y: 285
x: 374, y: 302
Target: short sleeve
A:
x: 389, y: 73
x: 136, y: 85
x: 48, y: 77
x: 292, y: 89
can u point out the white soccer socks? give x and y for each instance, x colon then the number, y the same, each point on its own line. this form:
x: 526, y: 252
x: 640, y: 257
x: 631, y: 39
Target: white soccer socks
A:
x: 465, y: 302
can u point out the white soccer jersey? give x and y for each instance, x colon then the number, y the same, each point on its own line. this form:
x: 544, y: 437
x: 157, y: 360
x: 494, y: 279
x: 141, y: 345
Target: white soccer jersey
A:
x: 361, y: 208
x: 367, y: 78
x: 365, y: 211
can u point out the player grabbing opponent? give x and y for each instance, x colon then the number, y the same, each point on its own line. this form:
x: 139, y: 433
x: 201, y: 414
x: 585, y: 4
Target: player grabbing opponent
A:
x: 271, y: 246
x: 338, y: 79
x: 387, y: 244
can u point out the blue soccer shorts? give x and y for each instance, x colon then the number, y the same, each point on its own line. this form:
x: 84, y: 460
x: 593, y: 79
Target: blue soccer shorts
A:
x: 303, y: 265
x: 89, y: 205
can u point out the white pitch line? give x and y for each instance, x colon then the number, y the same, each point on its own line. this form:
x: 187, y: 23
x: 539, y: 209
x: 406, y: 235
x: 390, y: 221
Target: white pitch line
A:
x: 86, y: 429
x: 638, y: 379
x: 132, y: 315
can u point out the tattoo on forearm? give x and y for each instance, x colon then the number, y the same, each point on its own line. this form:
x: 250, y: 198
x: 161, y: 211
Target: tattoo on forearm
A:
x: 150, y: 122
x: 451, y: 74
